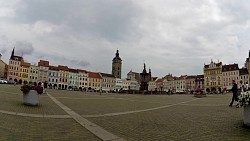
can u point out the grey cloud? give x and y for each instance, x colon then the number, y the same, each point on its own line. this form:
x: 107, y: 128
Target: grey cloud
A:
x: 3, y: 50
x: 80, y: 63
x: 23, y: 48
x: 109, y: 19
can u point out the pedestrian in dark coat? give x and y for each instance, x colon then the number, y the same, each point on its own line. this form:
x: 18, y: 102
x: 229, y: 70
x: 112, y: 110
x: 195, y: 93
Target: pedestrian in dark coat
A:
x: 235, y: 91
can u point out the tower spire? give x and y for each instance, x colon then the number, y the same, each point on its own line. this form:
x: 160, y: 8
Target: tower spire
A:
x: 12, y: 53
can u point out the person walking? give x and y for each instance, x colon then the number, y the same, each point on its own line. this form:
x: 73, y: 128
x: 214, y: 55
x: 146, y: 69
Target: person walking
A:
x: 235, y: 91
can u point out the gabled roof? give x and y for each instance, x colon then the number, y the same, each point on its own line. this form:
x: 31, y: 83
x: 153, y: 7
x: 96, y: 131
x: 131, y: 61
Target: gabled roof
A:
x: 43, y: 63
x: 94, y: 75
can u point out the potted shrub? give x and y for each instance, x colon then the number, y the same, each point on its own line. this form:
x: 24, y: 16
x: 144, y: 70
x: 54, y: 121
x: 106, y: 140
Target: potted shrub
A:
x: 30, y: 94
x: 244, y: 101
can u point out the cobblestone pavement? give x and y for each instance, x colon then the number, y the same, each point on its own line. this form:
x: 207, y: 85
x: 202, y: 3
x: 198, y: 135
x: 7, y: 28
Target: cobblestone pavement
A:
x: 131, y: 117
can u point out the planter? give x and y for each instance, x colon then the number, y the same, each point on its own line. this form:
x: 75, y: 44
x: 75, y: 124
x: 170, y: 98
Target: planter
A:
x: 31, y: 98
x: 247, y: 115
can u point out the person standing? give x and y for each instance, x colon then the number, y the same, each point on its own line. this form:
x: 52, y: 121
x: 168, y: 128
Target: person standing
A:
x: 45, y: 86
x: 235, y: 96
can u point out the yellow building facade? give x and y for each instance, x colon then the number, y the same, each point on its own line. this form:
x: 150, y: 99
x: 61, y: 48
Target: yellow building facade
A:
x: 24, y: 72
x: 94, y: 80
x: 33, y: 74
x: 63, y: 76
x: 213, y: 77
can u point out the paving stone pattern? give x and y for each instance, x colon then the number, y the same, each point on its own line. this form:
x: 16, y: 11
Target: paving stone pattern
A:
x: 183, y: 117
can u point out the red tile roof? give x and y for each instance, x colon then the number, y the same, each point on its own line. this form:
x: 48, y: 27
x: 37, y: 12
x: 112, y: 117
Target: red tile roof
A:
x: 43, y: 63
x: 63, y: 68
x: 53, y: 68
x: 84, y: 71
x: 25, y: 64
x: 94, y: 75
x: 73, y: 70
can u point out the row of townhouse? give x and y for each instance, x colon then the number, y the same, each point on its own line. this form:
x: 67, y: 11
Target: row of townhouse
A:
x: 218, y: 77
x: 63, y: 77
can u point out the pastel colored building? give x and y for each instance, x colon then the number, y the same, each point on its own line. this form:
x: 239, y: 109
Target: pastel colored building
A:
x: 152, y: 84
x: 33, y: 74
x: 108, y: 82
x: 53, y: 76
x: 118, y: 84
x: 73, y: 78
x: 63, y: 77
x: 43, y: 71
x: 130, y: 85
x: 244, y: 76
x: 213, y: 77
x: 24, y: 72
x: 94, y: 80
x: 82, y: 79
x: 14, y: 64
x: 229, y: 73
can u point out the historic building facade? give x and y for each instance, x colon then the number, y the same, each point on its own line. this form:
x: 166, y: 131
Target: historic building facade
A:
x: 229, y: 73
x: 117, y: 65
x: 199, y: 82
x: 213, y: 76
x: 24, y: 72
x: 190, y: 83
x: 73, y: 78
x: 94, y: 80
x: 63, y: 77
x: 244, y: 76
x: 53, y: 76
x: 33, y: 74
x: 83, y: 79
x: 145, y: 78
x: 108, y: 82
x: 43, y: 71
x: 14, y: 64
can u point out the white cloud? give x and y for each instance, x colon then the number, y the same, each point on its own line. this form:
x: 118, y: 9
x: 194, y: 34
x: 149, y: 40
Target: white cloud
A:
x: 171, y: 36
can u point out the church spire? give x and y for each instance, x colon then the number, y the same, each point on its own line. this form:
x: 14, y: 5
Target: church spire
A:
x: 12, y: 53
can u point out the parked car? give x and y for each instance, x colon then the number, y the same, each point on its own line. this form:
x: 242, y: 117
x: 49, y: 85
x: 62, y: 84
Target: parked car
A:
x: 2, y: 81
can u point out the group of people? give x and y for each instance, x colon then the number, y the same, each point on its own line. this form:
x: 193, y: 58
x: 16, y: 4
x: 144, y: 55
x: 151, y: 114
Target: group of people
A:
x: 235, y: 89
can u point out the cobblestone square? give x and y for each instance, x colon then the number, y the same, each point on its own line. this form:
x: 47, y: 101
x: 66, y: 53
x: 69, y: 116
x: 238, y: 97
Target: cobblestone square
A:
x: 127, y: 117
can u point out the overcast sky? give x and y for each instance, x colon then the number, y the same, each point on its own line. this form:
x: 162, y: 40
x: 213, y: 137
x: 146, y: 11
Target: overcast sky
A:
x: 170, y: 36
